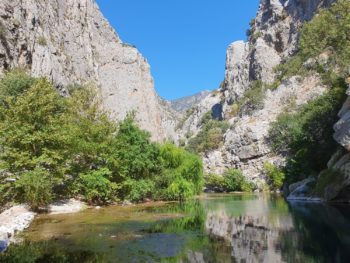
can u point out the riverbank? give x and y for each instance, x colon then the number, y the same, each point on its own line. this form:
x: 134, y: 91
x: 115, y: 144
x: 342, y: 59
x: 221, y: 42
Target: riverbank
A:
x: 17, y: 218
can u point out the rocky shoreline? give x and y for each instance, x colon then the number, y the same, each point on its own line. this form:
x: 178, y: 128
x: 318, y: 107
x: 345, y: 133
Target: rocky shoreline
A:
x: 19, y: 217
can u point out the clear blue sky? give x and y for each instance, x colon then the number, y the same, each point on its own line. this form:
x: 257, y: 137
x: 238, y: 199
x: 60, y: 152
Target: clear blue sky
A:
x: 184, y: 41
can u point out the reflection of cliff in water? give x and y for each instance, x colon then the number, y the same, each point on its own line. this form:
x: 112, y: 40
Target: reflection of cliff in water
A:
x: 303, y: 233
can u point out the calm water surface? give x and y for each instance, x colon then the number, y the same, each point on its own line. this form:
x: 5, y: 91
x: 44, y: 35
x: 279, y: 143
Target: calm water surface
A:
x: 214, y: 228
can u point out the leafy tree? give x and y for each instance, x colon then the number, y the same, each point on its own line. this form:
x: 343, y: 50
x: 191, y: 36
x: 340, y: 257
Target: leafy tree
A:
x: 234, y: 180
x: 182, y: 176
x: 136, y: 155
x: 275, y: 176
x: 31, y: 131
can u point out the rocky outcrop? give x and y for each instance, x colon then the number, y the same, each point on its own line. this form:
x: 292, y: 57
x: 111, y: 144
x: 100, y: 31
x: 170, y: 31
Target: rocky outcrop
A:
x: 246, y: 144
x: 273, y: 38
x: 70, y: 42
x: 13, y: 220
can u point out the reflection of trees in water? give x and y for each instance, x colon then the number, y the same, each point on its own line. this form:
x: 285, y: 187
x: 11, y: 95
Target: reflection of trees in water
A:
x: 321, y: 234
x: 269, y: 230
x: 48, y: 252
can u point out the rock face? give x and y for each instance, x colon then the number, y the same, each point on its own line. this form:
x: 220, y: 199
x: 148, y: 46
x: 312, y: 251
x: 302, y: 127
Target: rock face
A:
x: 273, y: 38
x: 246, y: 143
x: 70, y: 42
x: 183, y: 104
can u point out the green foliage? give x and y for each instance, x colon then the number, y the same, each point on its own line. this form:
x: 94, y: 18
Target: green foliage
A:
x: 327, y: 33
x: 138, y: 190
x: 182, y: 176
x: 35, y: 188
x: 275, y: 175
x: 215, y: 182
x: 234, y: 180
x: 96, y: 187
x: 136, y: 156
x: 328, y: 30
x: 307, y: 135
x: 70, y: 146
x: 326, y: 178
x: 31, y: 131
x: 42, y: 41
x: 14, y: 83
x: 252, y: 100
x: 209, y: 138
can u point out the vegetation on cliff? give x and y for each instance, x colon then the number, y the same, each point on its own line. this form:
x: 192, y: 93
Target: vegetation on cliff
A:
x: 306, y: 135
x: 56, y: 147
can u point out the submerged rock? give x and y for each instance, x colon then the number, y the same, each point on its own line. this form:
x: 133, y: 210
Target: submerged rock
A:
x: 66, y: 207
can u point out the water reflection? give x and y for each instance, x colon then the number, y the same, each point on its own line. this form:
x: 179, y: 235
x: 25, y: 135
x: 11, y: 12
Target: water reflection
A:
x: 217, y: 228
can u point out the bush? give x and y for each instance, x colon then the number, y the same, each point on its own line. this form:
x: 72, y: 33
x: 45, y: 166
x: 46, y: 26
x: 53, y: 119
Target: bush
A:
x: 210, y: 137
x: 135, y: 156
x: 327, y: 31
x: 215, y: 182
x: 14, y: 83
x: 138, y: 190
x: 326, y: 178
x: 96, y: 187
x: 182, y: 176
x: 275, y: 175
x: 35, y: 188
x: 234, y: 180
x: 42, y: 41
x: 307, y: 135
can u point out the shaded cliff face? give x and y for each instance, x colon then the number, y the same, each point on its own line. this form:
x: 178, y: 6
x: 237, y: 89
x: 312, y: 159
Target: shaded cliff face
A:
x: 70, y: 42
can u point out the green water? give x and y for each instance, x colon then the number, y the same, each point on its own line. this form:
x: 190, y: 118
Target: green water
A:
x: 214, y: 228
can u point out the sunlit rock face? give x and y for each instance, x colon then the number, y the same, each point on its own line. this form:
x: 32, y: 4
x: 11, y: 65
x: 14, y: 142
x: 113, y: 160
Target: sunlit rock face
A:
x: 273, y: 38
x: 70, y: 42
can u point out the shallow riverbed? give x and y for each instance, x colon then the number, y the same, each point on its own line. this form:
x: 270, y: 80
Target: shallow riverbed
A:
x: 214, y: 228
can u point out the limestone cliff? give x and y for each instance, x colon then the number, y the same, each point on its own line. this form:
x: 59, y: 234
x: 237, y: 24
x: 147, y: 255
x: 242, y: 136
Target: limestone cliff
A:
x: 70, y: 42
x: 273, y: 38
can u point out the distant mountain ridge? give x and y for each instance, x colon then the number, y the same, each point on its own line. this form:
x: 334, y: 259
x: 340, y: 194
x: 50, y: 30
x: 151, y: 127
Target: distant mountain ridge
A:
x: 185, y: 103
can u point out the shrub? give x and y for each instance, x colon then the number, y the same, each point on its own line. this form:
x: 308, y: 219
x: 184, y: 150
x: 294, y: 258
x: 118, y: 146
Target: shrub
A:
x: 326, y: 178
x: 14, y: 83
x: 35, y: 188
x: 215, y: 182
x: 135, y: 156
x: 209, y: 138
x: 253, y: 98
x: 234, y: 180
x: 96, y: 187
x: 138, y: 190
x: 42, y: 41
x: 327, y: 31
x: 182, y: 176
x: 275, y: 176
x: 307, y: 135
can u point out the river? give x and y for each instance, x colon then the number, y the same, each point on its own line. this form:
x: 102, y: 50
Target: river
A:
x: 213, y: 228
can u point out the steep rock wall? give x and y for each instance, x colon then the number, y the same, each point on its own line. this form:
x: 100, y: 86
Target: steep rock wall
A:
x: 70, y: 42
